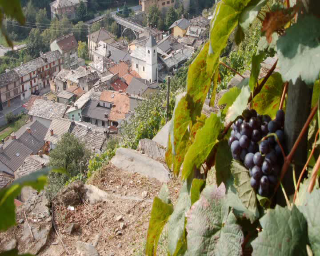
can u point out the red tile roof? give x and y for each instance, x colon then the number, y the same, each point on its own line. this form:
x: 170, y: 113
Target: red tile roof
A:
x: 28, y: 105
x: 119, y: 85
x: 121, y: 104
x: 122, y: 69
x: 76, y: 90
x: 135, y: 74
x: 128, y: 78
x: 67, y: 43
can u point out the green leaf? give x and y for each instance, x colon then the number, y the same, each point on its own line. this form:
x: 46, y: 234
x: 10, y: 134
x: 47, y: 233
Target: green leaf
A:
x: 265, y: 202
x: 211, y: 229
x: 36, y: 180
x: 310, y: 210
x: 298, y: 51
x: 239, y: 35
x: 164, y: 194
x: 159, y: 216
x: 249, y: 14
x: 196, y: 188
x: 242, y: 184
x: 229, y: 97
x: 13, y: 252
x: 225, y: 20
x: 176, y: 223
x: 264, y: 46
x: 205, y: 140
x: 284, y: 232
x: 268, y: 100
x: 238, y: 105
x: 255, y: 69
x: 215, y: 85
x: 223, y: 162
x: 315, y: 93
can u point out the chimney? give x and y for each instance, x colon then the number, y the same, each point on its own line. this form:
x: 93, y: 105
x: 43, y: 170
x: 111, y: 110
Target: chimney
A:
x: 51, y: 132
x: 43, y: 165
x: 2, y: 141
x: 1, y: 148
x: 13, y: 136
x: 40, y: 153
x: 28, y: 130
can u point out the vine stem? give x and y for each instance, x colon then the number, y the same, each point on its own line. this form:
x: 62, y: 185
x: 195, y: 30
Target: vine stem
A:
x: 314, y: 175
x: 288, y: 159
x: 288, y: 3
x: 284, y: 92
x: 305, y: 167
x: 228, y: 67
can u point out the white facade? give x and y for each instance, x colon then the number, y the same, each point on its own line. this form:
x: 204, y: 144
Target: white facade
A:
x: 151, y: 63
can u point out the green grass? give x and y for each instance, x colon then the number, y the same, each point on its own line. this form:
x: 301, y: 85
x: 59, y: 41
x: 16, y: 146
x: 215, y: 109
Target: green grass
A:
x: 4, y: 42
x: 5, y: 131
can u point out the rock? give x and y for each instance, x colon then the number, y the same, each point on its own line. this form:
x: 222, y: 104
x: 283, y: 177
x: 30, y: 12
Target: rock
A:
x: 122, y: 225
x: 21, y: 221
x: 119, y: 218
x: 12, y: 244
x: 119, y: 246
x: 119, y: 233
x: 152, y: 149
x: 71, y: 228
x: 71, y: 195
x: 144, y: 194
x: 55, y: 249
x: 141, y: 164
x: 85, y: 249
x: 96, y: 240
x: 95, y: 195
x: 162, y: 136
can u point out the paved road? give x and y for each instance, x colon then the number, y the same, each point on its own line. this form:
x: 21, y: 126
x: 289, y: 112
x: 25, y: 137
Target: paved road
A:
x: 15, y: 111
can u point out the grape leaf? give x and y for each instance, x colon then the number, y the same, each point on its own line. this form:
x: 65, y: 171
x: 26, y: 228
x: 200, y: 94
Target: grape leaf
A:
x: 264, y: 46
x: 196, y: 188
x: 315, y: 93
x: 206, y: 139
x: 13, y: 252
x: 36, y: 180
x: 238, y: 105
x: 223, y: 162
x: 229, y: 97
x: 310, y: 210
x: 249, y: 14
x: 211, y: 229
x: 255, y: 69
x: 164, y: 194
x: 214, y: 89
x: 268, y: 100
x: 239, y: 35
x: 160, y: 213
x: 284, y: 232
x: 176, y: 223
x: 299, y: 51
x: 242, y: 184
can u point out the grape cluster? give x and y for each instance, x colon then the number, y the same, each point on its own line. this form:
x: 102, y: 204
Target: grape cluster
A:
x: 260, y: 153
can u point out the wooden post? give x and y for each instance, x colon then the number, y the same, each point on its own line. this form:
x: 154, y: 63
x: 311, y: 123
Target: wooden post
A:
x: 168, y: 97
x: 297, y: 111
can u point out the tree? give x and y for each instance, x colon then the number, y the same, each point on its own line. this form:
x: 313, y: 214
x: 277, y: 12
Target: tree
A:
x: 154, y: 16
x: 71, y: 155
x: 180, y: 11
x: 171, y: 17
x: 83, y: 50
x: 114, y: 28
x: 81, y: 11
x: 42, y: 21
x: 160, y: 24
x: 95, y: 27
x: 30, y: 12
x: 80, y: 31
x: 125, y: 11
x: 35, y: 44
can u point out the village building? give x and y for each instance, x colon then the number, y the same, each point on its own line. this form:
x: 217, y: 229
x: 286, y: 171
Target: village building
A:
x: 163, y: 5
x: 68, y: 47
x: 141, y: 87
x: 145, y: 60
x: 66, y: 97
x: 60, y: 8
x: 94, y: 38
x: 176, y: 59
x: 10, y: 89
x: 44, y: 111
x: 179, y: 28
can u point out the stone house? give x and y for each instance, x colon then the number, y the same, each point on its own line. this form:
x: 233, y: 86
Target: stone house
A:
x: 94, y: 38
x: 180, y: 27
x: 60, y: 8
x: 10, y: 89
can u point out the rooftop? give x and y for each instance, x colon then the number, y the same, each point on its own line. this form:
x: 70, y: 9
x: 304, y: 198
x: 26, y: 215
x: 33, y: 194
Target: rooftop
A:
x: 119, y: 85
x: 31, y: 164
x: 67, y: 43
x: 66, y: 3
x: 112, y: 53
x: 8, y: 78
x: 182, y: 23
x: 65, y: 95
x: 76, y: 90
x: 58, y: 127
x: 101, y: 35
x: 178, y: 57
x: 138, y: 86
x: 120, y: 104
x: 47, y: 109
x: 121, y: 68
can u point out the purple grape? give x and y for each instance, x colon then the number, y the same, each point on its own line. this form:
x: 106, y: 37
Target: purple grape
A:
x: 266, y: 119
x: 272, y: 157
x: 272, y: 180
x: 248, y: 161
x: 236, y: 157
x: 264, y: 147
x: 256, y: 172
x: 264, y: 129
x: 258, y: 159
x: 250, y: 172
x: 253, y: 148
x: 264, y: 182
x: 253, y: 123
x: 246, y: 114
x: 238, y: 123
x: 272, y: 126
x: 280, y: 116
x: 276, y: 170
x: 266, y: 167
x: 235, y: 147
x: 263, y: 191
x: 272, y: 141
x: 256, y: 136
x: 244, y: 141
x: 237, y: 135
x: 278, y: 151
x: 231, y: 139
x: 280, y: 135
x: 254, y: 183
x: 232, y: 133
x: 243, y: 154
x: 253, y: 113
x: 246, y: 131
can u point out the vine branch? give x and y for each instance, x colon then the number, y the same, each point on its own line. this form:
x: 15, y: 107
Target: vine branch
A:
x: 228, y: 67
x: 284, y: 92
x: 314, y: 175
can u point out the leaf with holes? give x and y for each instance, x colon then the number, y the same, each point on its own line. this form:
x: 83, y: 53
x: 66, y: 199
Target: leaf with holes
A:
x: 223, y: 162
x: 284, y: 232
x: 229, y: 97
x: 268, y: 100
x: 299, y: 51
x: 211, y: 229
x: 176, y: 223
x: 310, y: 210
x: 250, y: 13
x: 160, y: 214
x: 255, y: 69
x: 239, y: 105
x: 206, y: 139
x: 242, y: 184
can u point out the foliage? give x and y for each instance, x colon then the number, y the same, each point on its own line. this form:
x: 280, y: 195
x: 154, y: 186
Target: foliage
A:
x: 35, y: 44
x: 83, y: 50
x: 71, y: 155
x: 171, y: 17
x: 153, y: 16
x: 81, y: 11
x: 42, y: 20
x: 220, y: 218
x: 125, y: 11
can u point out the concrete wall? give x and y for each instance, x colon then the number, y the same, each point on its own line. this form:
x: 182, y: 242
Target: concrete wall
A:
x: 178, y: 32
x: 75, y: 115
x: 43, y: 121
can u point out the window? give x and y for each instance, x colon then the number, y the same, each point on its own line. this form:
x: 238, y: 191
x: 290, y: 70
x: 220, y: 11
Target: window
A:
x: 34, y: 72
x: 34, y: 80
x: 42, y: 69
x: 79, y: 114
x: 149, y: 51
x: 21, y: 79
x: 103, y: 123
x: 14, y: 84
x: 163, y: 3
x: 154, y: 51
x: 22, y: 87
x: 15, y: 91
x: 46, y: 66
x: 137, y: 66
x: 30, y: 76
x: 7, y: 87
x: 143, y: 68
x: 96, y: 122
x: 172, y: 1
x: 54, y: 62
x: 8, y: 95
x: 72, y: 117
x: 168, y: 2
x: 31, y: 83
